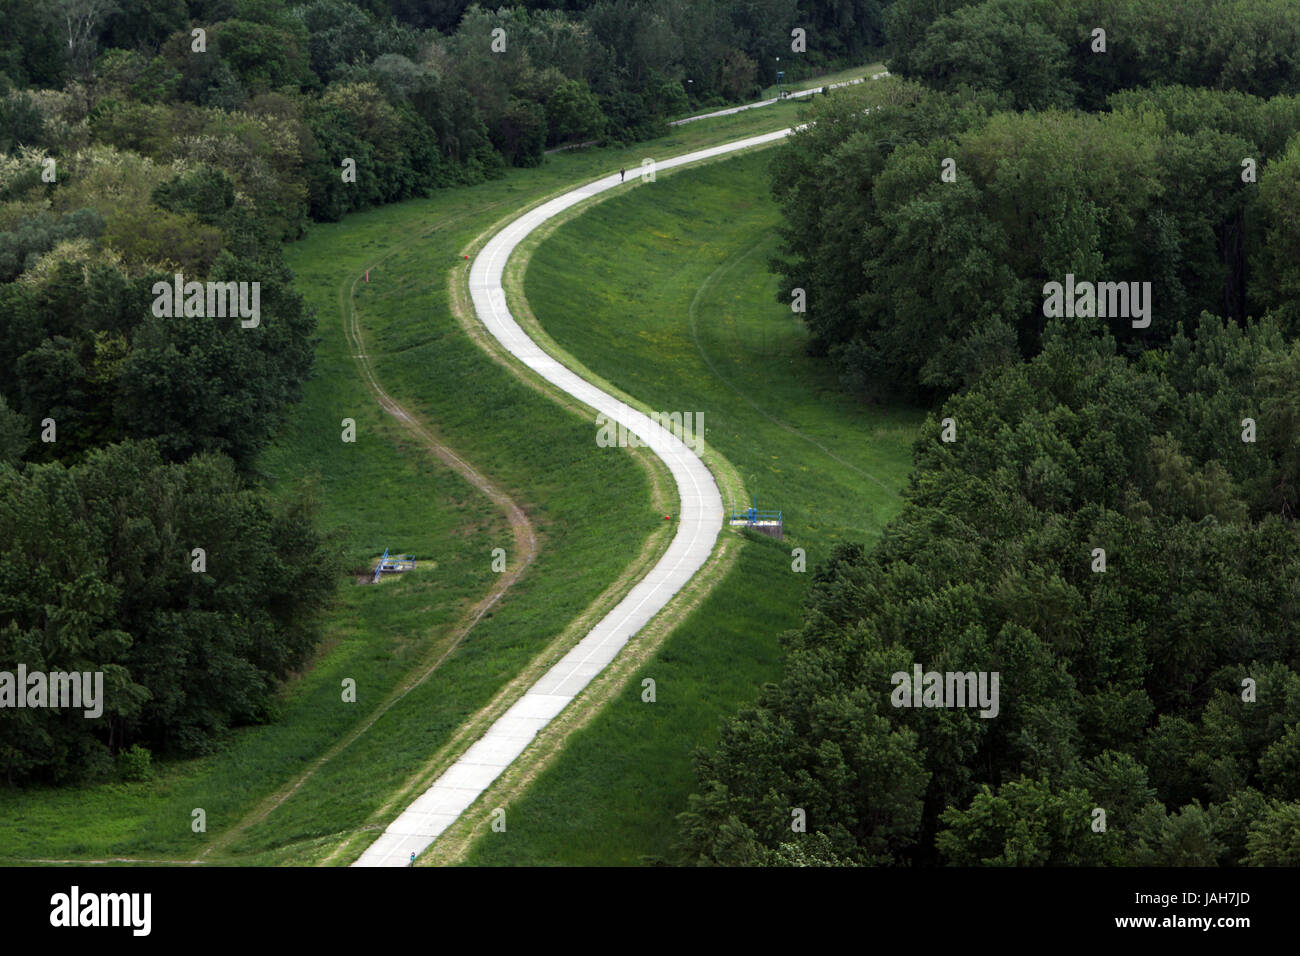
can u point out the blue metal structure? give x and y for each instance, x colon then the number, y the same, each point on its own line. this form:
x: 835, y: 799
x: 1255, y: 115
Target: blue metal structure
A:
x: 389, y: 565
x: 752, y: 515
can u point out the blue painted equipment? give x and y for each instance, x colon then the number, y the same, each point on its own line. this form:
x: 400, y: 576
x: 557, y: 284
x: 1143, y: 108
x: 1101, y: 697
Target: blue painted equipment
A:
x: 771, y: 523
x: 389, y: 565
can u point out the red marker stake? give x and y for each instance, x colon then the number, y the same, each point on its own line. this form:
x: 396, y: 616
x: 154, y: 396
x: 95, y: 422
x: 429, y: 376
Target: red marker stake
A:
x: 367, y: 275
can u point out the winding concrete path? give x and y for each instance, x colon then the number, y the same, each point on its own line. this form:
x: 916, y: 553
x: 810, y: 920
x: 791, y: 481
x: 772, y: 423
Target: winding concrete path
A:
x: 699, y: 522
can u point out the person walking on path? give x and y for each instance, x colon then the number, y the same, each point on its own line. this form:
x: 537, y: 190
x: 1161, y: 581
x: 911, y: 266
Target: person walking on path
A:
x: 620, y: 174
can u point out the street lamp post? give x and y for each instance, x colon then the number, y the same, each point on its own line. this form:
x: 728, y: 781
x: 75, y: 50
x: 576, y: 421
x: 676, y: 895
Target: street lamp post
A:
x: 779, y: 77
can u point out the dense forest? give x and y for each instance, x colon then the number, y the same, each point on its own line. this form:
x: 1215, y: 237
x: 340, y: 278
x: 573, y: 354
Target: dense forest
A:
x: 148, y: 139
x: 1102, y: 510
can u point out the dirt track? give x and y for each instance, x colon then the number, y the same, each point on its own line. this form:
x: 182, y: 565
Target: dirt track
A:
x: 525, y: 551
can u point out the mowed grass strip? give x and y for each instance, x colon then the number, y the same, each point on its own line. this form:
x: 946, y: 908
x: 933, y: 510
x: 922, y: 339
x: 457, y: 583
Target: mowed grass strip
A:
x: 664, y: 292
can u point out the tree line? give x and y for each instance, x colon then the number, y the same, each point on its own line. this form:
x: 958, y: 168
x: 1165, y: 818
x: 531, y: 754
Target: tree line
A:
x: 1038, y: 53
x: 1102, y: 514
x: 128, y: 441
x: 420, y: 95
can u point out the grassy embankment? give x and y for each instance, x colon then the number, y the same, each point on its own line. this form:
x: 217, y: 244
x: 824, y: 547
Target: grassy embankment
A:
x: 664, y: 292
x: 593, y: 513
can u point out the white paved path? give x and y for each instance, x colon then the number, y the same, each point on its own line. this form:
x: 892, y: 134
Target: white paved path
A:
x: 792, y: 94
x: 697, y: 530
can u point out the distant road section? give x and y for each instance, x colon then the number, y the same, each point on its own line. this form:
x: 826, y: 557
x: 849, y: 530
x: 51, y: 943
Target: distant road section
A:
x: 794, y: 94
x: 698, y: 525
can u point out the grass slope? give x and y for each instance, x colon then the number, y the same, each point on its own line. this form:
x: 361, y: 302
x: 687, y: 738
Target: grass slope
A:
x: 592, y: 511
x: 664, y: 292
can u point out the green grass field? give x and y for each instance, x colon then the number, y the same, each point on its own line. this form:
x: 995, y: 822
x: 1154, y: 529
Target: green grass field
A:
x: 384, y: 491
x: 664, y: 292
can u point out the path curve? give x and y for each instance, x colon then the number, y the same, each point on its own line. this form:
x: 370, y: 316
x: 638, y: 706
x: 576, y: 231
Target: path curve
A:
x: 699, y: 522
